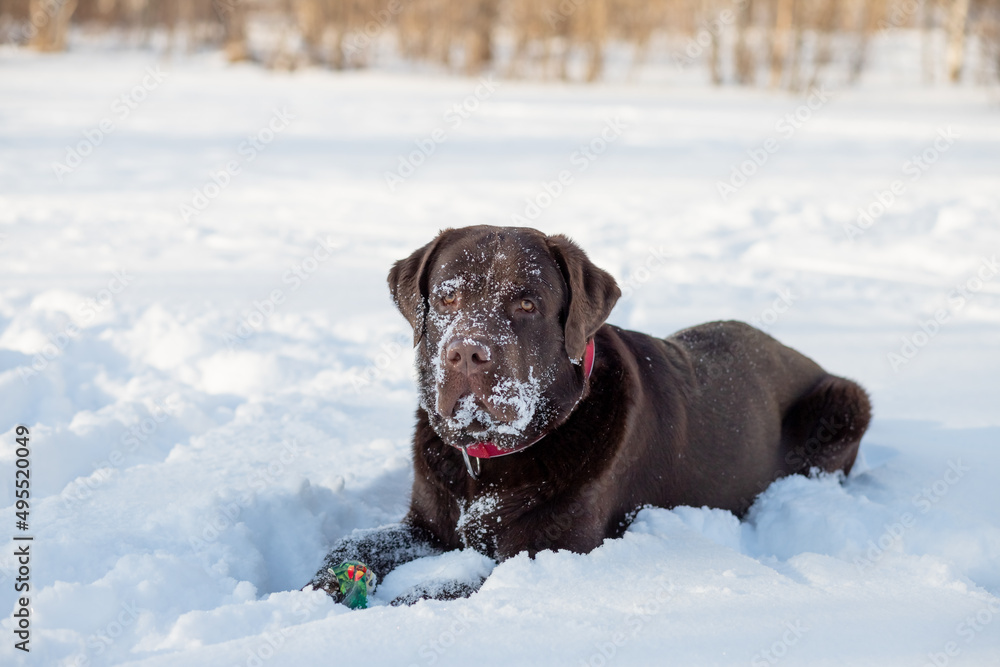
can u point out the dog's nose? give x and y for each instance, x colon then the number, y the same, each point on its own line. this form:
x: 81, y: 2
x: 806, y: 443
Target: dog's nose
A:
x: 468, y: 356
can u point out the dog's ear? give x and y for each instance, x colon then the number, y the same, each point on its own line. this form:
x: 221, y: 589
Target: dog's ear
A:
x: 593, y: 292
x: 408, y: 284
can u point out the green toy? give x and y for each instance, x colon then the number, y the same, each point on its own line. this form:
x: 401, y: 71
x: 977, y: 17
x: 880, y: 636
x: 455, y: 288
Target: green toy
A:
x: 356, y: 581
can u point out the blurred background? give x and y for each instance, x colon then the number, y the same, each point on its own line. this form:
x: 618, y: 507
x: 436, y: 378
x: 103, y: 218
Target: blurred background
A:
x: 769, y: 43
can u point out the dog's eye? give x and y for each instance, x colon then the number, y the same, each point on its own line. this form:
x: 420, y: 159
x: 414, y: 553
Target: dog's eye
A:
x: 527, y: 305
x: 448, y: 299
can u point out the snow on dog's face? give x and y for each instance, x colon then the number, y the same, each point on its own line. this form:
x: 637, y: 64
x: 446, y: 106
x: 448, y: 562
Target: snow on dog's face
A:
x: 501, y: 317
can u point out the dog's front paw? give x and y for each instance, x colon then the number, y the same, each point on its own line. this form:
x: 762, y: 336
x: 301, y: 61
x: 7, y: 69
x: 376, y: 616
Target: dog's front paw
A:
x: 329, y: 585
x: 450, y: 589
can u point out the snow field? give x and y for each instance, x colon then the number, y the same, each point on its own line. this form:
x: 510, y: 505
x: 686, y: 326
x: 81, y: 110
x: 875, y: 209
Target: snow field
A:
x: 214, y: 399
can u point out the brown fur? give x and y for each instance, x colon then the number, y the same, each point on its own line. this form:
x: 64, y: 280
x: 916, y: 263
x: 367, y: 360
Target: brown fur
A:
x: 708, y: 416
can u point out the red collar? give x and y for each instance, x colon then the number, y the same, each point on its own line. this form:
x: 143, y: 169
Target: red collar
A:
x: 487, y: 450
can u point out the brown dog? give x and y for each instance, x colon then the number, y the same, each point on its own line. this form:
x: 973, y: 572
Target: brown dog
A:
x: 542, y: 427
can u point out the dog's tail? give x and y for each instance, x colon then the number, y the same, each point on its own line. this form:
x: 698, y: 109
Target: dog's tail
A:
x: 823, y: 428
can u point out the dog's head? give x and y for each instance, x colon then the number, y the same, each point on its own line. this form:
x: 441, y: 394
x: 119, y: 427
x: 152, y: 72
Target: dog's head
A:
x: 501, y: 318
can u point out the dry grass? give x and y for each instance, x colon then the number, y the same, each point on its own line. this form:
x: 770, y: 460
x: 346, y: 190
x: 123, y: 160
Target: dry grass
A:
x: 778, y: 43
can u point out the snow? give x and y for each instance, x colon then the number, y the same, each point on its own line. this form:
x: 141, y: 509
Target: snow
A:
x: 522, y: 397
x: 215, y: 400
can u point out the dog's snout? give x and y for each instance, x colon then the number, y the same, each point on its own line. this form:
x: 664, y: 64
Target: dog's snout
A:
x: 468, y: 356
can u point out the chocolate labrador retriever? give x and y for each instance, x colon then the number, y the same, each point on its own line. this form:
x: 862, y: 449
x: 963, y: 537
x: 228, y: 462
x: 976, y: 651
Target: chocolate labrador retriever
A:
x: 541, y: 427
